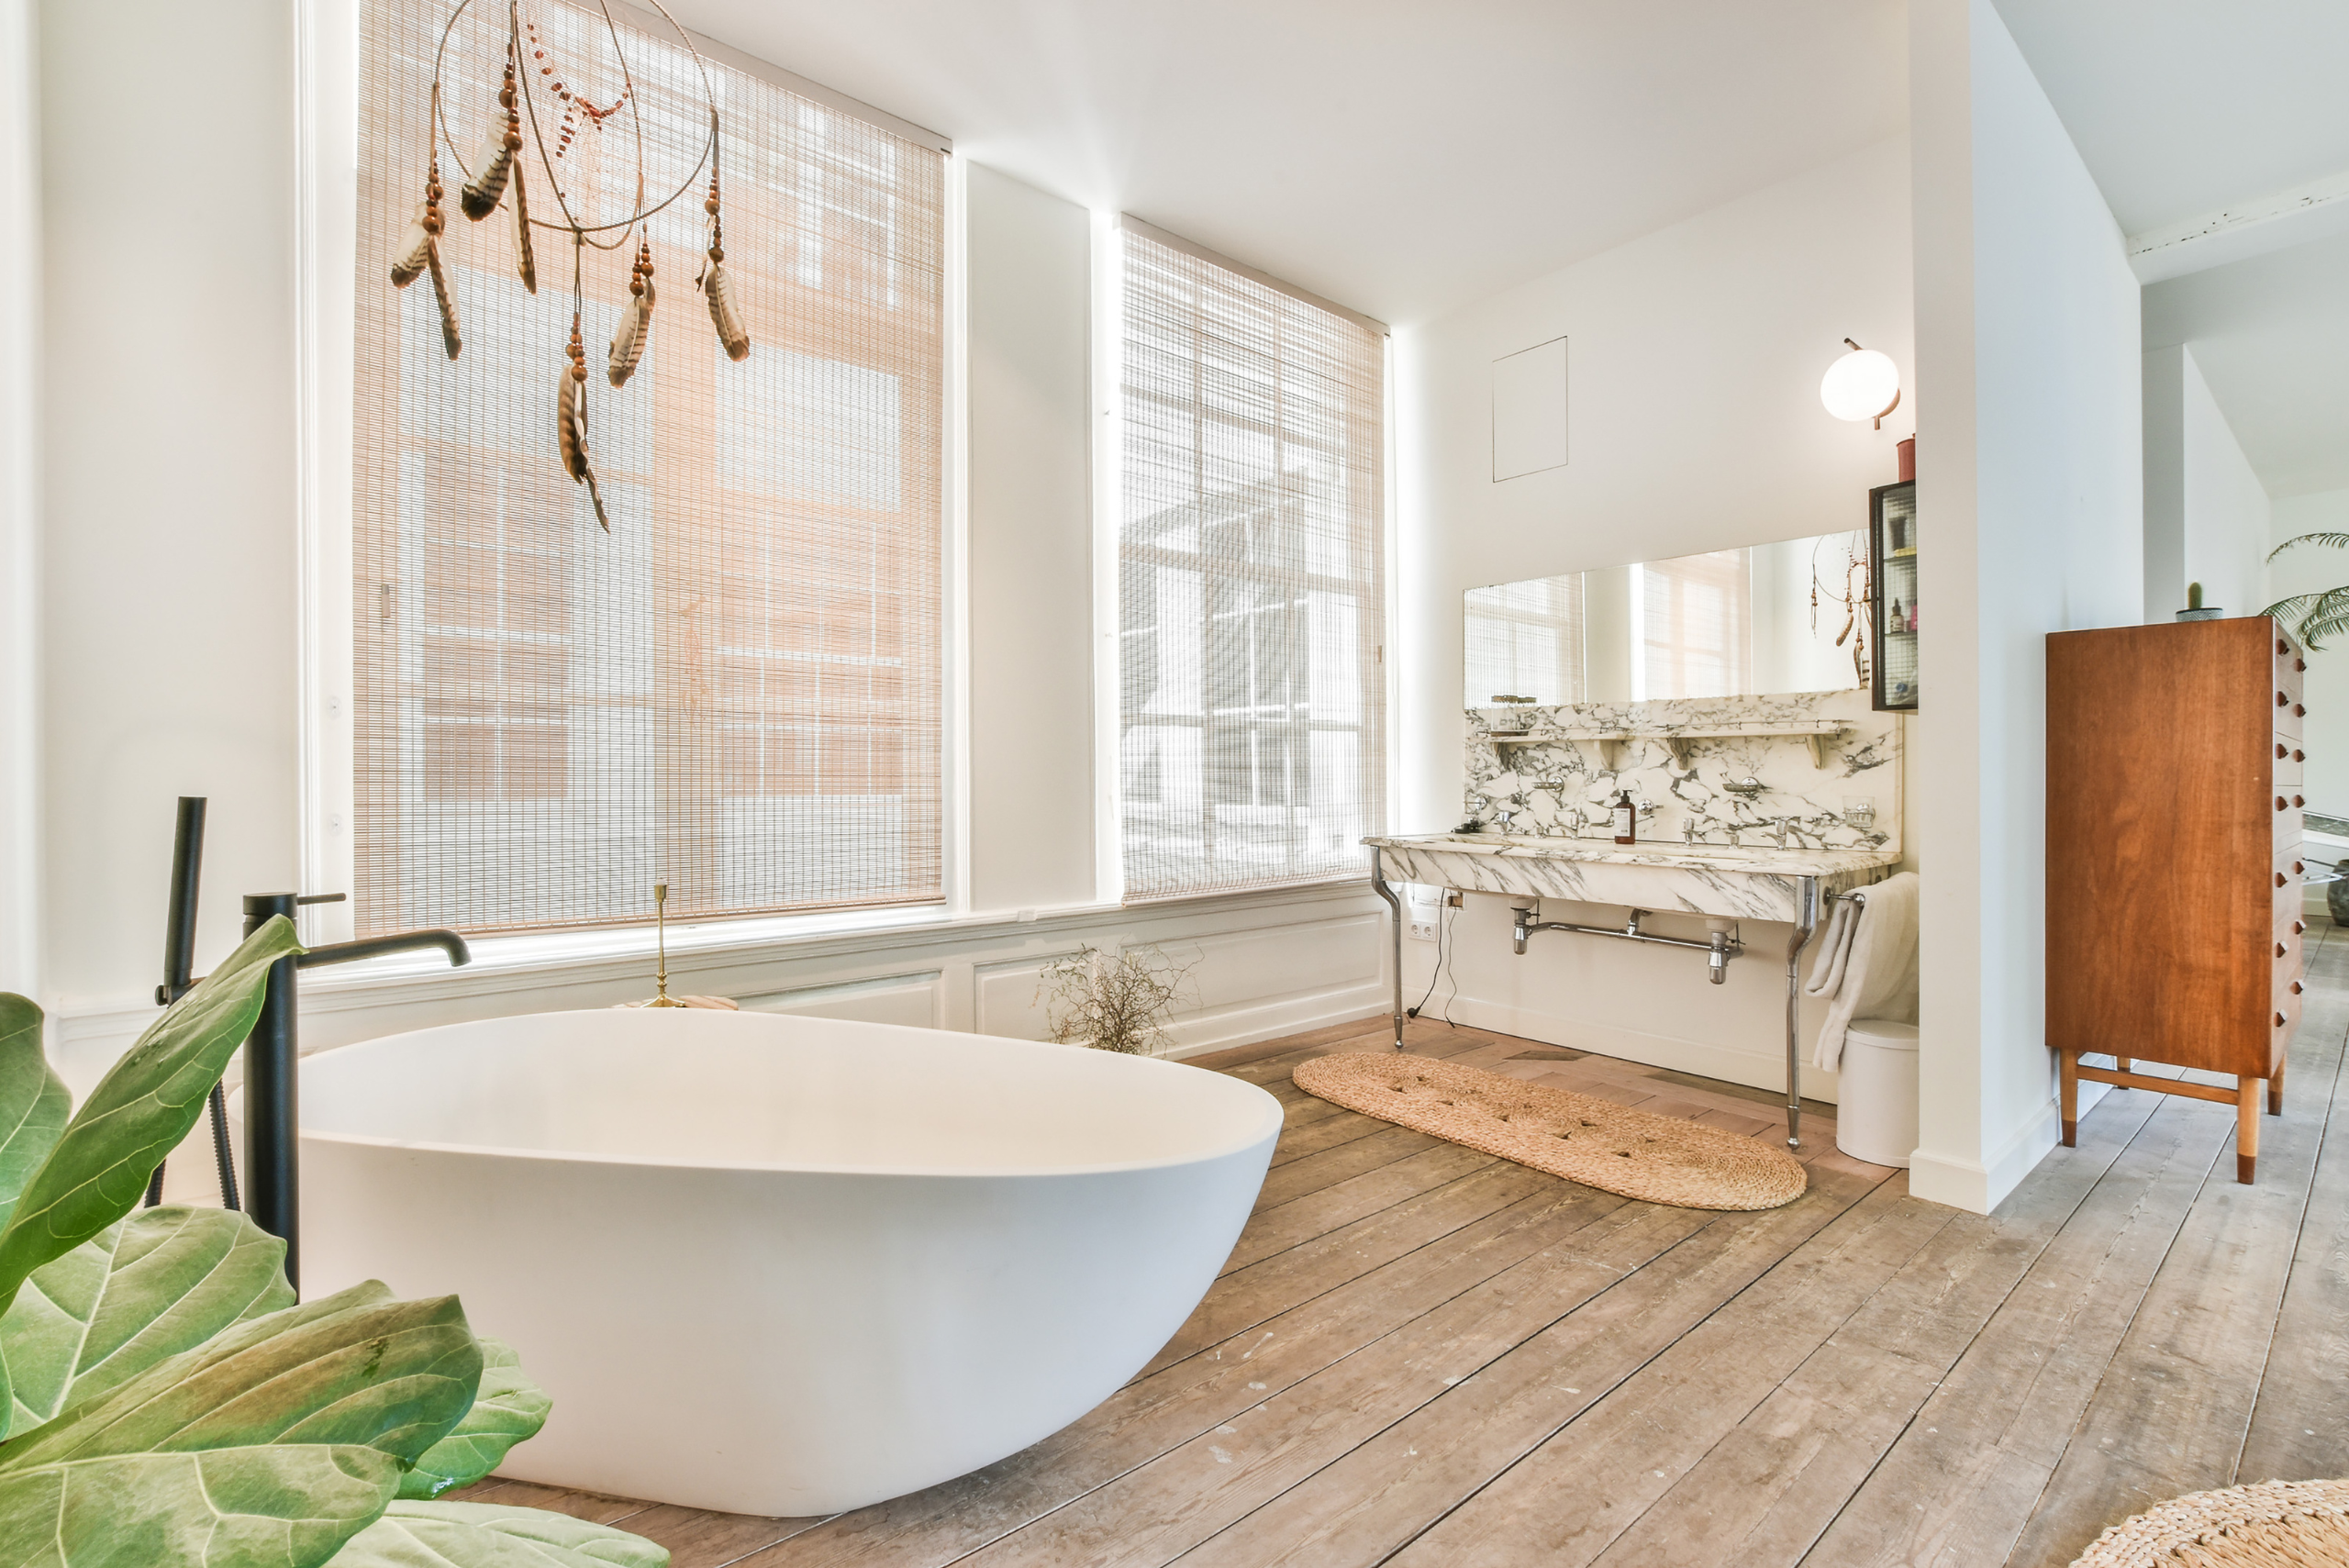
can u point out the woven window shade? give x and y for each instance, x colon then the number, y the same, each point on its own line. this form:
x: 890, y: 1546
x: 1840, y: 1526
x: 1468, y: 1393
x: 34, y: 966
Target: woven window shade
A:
x: 1251, y: 736
x: 1697, y: 615
x: 1525, y: 639
x: 737, y: 690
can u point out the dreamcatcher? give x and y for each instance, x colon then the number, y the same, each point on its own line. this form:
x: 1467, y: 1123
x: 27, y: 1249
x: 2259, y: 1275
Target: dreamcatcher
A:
x: 542, y: 114
x: 1846, y: 584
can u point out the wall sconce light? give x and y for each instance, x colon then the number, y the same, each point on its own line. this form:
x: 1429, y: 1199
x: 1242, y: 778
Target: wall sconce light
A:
x: 1863, y: 384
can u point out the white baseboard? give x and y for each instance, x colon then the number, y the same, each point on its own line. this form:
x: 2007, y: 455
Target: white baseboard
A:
x: 1981, y: 1186
x: 1755, y: 1070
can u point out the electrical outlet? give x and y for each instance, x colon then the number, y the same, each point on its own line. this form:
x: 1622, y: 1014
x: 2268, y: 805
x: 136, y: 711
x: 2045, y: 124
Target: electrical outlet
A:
x: 1423, y: 931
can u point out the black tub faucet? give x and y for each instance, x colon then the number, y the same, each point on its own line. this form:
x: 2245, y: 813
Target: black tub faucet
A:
x: 273, y: 1111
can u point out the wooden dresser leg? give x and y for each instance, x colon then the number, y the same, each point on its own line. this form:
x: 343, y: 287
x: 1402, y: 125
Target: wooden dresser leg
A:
x: 2275, y: 1091
x: 2120, y: 1063
x: 2070, y: 1104
x: 2247, y: 1098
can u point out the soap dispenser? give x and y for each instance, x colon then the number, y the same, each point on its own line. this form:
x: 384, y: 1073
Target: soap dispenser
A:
x: 1627, y: 818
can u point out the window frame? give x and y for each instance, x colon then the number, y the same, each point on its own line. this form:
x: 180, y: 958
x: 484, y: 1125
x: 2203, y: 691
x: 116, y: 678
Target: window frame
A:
x: 326, y: 163
x: 1110, y: 230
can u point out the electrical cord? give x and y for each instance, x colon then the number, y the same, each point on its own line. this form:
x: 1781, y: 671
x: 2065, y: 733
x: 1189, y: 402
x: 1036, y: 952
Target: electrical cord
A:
x: 1444, y: 922
x: 1437, y: 973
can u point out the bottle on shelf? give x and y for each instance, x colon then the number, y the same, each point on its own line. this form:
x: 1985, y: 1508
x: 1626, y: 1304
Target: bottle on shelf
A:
x: 1627, y: 818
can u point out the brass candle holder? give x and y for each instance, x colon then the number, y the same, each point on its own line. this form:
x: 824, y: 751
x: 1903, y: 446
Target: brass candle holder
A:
x: 661, y: 949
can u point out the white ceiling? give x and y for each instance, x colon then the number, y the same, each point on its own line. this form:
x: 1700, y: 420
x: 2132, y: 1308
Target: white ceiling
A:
x: 2271, y: 334
x: 2181, y: 107
x: 1397, y: 157
x: 2184, y: 107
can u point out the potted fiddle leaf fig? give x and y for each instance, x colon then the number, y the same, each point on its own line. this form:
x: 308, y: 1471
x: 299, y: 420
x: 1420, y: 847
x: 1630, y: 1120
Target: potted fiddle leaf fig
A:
x: 164, y: 1403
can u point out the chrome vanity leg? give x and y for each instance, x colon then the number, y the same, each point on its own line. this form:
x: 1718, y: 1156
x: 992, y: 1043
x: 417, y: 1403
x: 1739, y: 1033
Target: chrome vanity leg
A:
x: 1806, y: 922
x: 1378, y: 885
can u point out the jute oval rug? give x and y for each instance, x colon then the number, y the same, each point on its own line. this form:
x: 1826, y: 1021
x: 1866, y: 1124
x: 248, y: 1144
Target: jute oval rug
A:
x: 1657, y: 1158
x: 2276, y: 1523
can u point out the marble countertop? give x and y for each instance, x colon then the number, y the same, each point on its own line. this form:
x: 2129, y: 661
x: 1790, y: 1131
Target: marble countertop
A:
x: 1758, y: 860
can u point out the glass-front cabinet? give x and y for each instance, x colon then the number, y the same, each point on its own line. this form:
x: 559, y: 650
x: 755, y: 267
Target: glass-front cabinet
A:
x: 1892, y: 532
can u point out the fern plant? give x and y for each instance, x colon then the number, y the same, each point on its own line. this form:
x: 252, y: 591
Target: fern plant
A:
x: 164, y: 1401
x: 2313, y: 616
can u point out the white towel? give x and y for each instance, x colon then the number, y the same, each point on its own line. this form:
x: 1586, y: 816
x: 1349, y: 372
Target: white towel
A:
x: 1866, y: 966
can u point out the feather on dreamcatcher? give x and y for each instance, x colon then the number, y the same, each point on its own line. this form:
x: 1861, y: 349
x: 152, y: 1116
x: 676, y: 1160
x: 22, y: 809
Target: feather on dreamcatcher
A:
x: 539, y: 117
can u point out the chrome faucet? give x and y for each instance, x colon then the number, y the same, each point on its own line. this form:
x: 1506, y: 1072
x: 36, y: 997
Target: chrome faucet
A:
x: 1780, y: 826
x: 1506, y: 814
x: 1688, y: 829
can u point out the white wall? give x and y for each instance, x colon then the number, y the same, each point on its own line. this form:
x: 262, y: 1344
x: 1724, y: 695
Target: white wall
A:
x: 2311, y: 569
x: 20, y: 595
x: 1693, y: 356
x: 1030, y: 547
x: 2206, y: 512
x: 168, y: 462
x: 169, y: 629
x: 2030, y: 491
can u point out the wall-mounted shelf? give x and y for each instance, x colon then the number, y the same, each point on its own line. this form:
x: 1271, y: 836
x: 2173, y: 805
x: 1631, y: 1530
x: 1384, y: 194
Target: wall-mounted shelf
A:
x: 1820, y: 733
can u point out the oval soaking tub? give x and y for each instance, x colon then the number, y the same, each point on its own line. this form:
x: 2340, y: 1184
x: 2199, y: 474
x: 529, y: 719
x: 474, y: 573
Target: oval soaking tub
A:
x: 781, y: 1265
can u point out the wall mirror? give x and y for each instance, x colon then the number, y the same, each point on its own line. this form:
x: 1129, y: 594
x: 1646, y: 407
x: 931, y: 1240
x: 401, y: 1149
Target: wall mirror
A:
x: 1768, y: 617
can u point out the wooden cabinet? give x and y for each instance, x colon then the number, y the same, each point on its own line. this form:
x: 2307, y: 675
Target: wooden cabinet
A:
x: 2174, y: 871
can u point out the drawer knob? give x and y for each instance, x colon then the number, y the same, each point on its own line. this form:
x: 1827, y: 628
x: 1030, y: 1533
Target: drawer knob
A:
x: 2281, y: 700
x: 2298, y: 801
x: 2279, y: 803
x: 2281, y: 950
x: 2297, y: 868
x: 2296, y: 988
x: 2280, y: 1020
x: 2282, y: 646
x: 2300, y: 756
x: 2279, y: 879
x: 2300, y: 710
x: 2298, y: 926
x: 2300, y: 663
x: 2280, y: 752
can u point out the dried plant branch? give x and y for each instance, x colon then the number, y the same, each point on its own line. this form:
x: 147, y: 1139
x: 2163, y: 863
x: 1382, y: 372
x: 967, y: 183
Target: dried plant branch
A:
x: 1114, y: 1001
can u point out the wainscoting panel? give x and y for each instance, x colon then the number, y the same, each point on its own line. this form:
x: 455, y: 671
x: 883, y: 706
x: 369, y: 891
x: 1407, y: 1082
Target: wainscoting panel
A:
x: 913, y: 999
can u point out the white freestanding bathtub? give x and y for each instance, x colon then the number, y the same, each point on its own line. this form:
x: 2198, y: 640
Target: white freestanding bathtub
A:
x: 781, y: 1265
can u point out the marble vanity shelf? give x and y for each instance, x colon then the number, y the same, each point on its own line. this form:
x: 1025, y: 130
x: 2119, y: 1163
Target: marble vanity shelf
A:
x: 1721, y: 880
x: 1821, y: 734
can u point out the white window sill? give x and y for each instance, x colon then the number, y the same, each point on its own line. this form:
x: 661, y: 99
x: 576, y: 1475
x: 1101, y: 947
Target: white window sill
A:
x: 527, y: 951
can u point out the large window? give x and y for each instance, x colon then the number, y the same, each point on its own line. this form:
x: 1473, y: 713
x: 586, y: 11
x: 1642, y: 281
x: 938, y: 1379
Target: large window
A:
x: 1250, y: 737
x: 736, y: 691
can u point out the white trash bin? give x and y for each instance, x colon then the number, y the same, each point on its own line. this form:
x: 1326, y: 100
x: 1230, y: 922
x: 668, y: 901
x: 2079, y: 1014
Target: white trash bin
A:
x: 1876, y: 1118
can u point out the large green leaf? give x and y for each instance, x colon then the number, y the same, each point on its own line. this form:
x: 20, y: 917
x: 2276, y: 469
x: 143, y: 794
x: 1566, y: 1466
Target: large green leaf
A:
x: 508, y: 1409
x: 33, y: 1100
x: 481, y: 1535
x: 160, y: 1283
x: 358, y: 1368
x: 139, y: 1112
x: 286, y: 1507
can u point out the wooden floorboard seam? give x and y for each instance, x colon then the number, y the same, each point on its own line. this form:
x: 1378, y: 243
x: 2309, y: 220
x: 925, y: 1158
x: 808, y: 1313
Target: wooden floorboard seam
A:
x: 2299, y: 1237
x: 1398, y: 1328
x: 2023, y: 1275
x: 1662, y: 1351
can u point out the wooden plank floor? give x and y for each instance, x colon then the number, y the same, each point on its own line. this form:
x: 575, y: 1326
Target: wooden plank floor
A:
x: 1421, y: 1355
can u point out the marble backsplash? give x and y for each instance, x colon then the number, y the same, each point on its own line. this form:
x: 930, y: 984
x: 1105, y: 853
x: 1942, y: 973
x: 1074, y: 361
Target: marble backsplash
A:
x: 1851, y: 802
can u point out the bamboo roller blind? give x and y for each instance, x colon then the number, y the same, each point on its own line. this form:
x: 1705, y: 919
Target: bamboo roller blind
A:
x: 737, y: 691
x: 1253, y: 693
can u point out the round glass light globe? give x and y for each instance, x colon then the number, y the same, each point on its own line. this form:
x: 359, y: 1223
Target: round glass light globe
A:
x: 1863, y: 384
